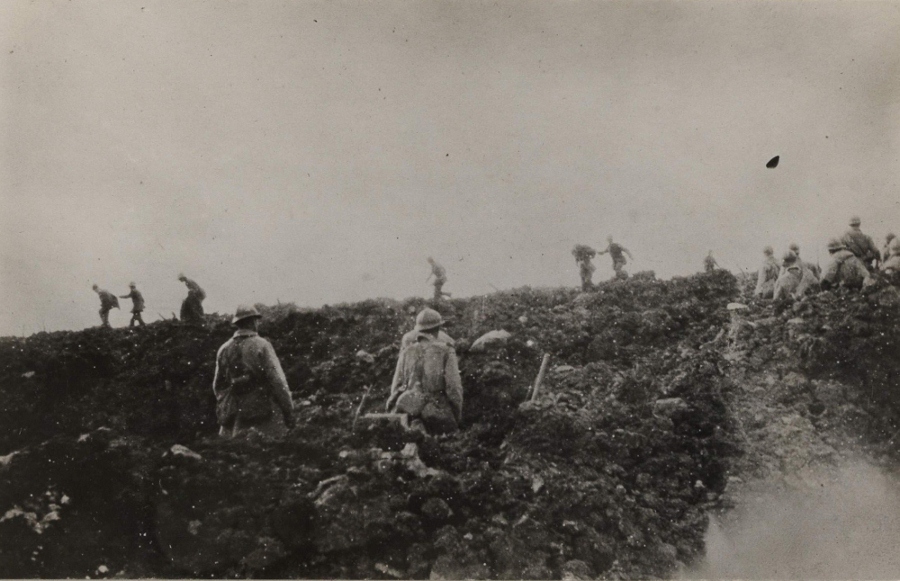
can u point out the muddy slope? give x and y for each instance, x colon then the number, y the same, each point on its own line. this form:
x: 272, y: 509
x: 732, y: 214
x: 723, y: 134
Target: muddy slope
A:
x: 612, y: 471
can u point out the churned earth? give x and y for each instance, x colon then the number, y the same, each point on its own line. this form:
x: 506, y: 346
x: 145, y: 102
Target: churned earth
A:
x: 662, y: 412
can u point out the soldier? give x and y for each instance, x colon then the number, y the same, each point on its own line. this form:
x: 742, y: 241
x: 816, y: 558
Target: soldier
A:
x: 814, y: 268
x: 440, y: 277
x: 886, y: 253
x: 427, y: 385
x: 845, y: 269
x: 709, y: 263
x: 137, y: 302
x: 616, y: 252
x: 891, y: 266
x: 108, y: 301
x: 795, y: 278
x: 192, y: 307
x: 250, y: 387
x: 861, y: 245
x: 768, y: 274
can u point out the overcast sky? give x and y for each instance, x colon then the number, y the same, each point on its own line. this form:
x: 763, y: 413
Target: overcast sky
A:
x: 318, y: 152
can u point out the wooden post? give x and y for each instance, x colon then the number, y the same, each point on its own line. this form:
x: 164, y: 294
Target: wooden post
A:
x: 362, y: 402
x: 540, y: 377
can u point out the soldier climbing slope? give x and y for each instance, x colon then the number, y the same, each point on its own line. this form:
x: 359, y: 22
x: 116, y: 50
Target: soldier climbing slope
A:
x: 617, y: 252
x: 845, y: 269
x: 768, y: 274
x: 427, y: 385
x: 583, y: 255
x: 795, y: 278
x: 192, y: 306
x: 891, y: 266
x: 861, y: 245
x: 709, y: 263
x: 108, y: 301
x: 814, y: 268
x: 440, y: 277
x: 250, y: 387
x: 137, y: 302
x: 887, y: 252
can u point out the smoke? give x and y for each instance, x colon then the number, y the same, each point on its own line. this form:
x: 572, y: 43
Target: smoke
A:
x: 841, y: 524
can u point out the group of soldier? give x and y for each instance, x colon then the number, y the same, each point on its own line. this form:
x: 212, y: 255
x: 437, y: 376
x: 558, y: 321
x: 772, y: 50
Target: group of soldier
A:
x: 583, y: 255
x: 191, y: 307
x: 252, y: 393
x: 855, y: 262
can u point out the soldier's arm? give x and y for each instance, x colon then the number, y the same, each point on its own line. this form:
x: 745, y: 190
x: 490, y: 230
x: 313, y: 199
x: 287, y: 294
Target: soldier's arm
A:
x: 217, y: 377
x: 395, y: 383
x: 453, y: 384
x: 275, y: 378
x: 625, y: 250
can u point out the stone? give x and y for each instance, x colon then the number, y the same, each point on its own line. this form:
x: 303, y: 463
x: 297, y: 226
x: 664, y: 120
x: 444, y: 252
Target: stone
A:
x: 669, y: 406
x: 179, y: 450
x: 364, y: 355
x: 436, y: 510
x: 490, y: 338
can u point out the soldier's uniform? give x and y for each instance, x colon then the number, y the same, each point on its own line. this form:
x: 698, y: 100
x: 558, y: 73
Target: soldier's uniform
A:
x: 768, y: 274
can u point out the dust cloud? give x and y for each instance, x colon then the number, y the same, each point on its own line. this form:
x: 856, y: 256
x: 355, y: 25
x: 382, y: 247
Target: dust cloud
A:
x: 844, y: 524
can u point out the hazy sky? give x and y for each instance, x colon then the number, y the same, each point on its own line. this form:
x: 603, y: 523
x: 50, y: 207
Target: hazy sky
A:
x: 318, y: 152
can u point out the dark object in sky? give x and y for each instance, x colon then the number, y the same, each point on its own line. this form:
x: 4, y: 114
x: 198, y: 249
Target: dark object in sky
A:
x: 773, y: 162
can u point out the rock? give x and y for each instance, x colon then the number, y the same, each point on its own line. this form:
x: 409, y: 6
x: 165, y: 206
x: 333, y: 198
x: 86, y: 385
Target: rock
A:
x: 28, y: 374
x: 179, y: 450
x: 268, y: 552
x: 736, y: 307
x: 363, y: 355
x: 390, y: 571
x: 458, y: 567
x: 563, y: 369
x: 343, y: 520
x: 5, y: 460
x: 576, y: 570
x: 668, y: 406
x: 523, y: 319
x: 490, y: 338
x: 436, y: 510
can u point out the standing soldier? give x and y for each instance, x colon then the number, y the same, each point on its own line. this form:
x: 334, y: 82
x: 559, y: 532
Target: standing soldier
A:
x: 709, y: 263
x: 845, y: 269
x: 440, y: 277
x: 861, y: 245
x: 250, y: 387
x: 616, y: 253
x: 427, y: 385
x: 192, y: 307
x: 137, y: 301
x: 583, y: 255
x: 108, y: 301
x: 887, y: 252
x: 768, y: 274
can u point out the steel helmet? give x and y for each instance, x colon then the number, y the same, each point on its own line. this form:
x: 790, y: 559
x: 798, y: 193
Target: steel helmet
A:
x: 890, y: 236
x: 895, y: 245
x: 132, y: 285
x: 788, y: 258
x: 245, y: 312
x: 181, y: 276
x: 428, y: 319
x: 795, y: 248
x: 95, y: 287
x: 835, y: 244
x: 854, y: 221
x: 768, y: 251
